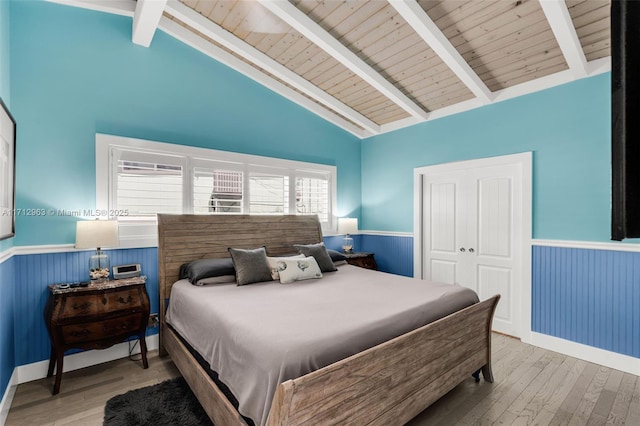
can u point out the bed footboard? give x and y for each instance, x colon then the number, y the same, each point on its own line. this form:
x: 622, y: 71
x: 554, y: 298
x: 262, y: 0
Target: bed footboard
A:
x: 214, y: 402
x: 393, y: 382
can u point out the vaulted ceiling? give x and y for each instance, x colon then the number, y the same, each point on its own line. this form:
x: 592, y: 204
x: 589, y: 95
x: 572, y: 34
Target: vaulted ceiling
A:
x: 371, y: 66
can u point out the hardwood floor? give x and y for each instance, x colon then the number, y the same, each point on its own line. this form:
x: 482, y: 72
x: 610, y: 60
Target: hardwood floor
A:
x: 84, y: 392
x: 532, y: 386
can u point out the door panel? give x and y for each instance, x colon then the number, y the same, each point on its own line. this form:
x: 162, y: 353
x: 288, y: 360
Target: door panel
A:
x: 443, y: 204
x: 443, y: 271
x: 494, y: 234
x: 492, y: 280
x: 494, y: 217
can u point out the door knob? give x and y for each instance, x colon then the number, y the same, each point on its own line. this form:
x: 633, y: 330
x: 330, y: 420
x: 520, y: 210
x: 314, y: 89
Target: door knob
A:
x: 471, y: 250
x: 462, y: 249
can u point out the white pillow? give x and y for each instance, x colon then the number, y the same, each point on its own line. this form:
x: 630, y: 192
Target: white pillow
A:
x: 273, y: 264
x: 298, y: 269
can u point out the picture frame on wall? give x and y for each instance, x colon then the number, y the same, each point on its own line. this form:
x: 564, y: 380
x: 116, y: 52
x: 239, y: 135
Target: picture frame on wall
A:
x: 7, y: 173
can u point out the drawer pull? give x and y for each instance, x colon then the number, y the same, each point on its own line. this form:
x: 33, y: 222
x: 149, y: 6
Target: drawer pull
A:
x: 82, y: 333
x: 82, y: 306
x: 123, y: 301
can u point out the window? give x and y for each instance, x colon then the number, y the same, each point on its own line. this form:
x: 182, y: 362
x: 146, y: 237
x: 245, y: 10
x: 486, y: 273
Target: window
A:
x: 268, y: 194
x: 145, y: 189
x: 312, y: 197
x: 136, y: 179
x: 217, y: 191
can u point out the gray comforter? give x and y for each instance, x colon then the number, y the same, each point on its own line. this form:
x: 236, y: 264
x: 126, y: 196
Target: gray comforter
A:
x: 257, y: 336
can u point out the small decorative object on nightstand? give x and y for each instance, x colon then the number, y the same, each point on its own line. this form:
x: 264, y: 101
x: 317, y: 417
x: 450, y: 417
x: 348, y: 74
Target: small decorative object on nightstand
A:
x: 361, y: 259
x: 95, y: 315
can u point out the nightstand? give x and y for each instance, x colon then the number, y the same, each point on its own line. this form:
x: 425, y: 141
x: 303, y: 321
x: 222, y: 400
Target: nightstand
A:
x: 361, y: 259
x: 95, y: 317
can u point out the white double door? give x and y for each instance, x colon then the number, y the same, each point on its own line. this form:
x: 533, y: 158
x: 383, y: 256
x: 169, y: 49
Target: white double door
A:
x: 472, y: 233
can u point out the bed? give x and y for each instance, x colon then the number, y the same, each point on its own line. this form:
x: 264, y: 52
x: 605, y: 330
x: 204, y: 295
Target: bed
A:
x: 386, y: 381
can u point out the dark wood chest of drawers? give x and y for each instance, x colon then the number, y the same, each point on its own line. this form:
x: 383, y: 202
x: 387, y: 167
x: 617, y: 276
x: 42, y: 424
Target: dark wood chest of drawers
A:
x: 362, y: 259
x: 95, y: 317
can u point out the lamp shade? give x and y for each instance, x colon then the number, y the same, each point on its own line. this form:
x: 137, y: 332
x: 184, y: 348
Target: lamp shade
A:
x: 96, y: 233
x: 347, y: 225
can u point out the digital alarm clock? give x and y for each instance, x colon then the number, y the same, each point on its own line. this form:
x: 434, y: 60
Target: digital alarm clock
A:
x: 126, y: 271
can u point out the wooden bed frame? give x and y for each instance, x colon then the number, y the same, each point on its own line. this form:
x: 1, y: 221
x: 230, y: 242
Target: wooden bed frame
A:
x: 388, y: 384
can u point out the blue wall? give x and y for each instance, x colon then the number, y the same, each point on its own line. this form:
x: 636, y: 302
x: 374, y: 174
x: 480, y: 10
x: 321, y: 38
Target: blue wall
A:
x: 7, y: 311
x: 5, y: 89
x: 588, y: 296
x: 76, y: 72
x: 7, y: 359
x: 5, y: 72
x: 567, y: 128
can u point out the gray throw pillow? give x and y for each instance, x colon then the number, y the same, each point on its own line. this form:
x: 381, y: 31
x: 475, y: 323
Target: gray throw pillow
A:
x: 319, y: 252
x: 206, y: 268
x: 251, y: 265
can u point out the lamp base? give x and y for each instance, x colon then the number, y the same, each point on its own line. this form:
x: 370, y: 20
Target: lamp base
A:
x: 347, y: 245
x: 99, y: 266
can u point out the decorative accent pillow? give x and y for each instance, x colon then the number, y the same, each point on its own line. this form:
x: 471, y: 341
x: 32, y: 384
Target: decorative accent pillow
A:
x: 203, y: 269
x: 222, y: 279
x: 319, y: 252
x: 273, y: 264
x: 292, y: 270
x: 336, y: 256
x: 251, y: 265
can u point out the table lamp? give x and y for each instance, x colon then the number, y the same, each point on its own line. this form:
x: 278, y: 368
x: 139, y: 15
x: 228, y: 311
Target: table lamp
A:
x: 97, y: 234
x: 347, y: 226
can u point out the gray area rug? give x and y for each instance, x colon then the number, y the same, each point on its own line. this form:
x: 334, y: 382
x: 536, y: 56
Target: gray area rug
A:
x: 168, y: 403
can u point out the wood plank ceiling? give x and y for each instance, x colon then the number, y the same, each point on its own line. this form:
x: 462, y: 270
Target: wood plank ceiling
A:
x: 370, y: 66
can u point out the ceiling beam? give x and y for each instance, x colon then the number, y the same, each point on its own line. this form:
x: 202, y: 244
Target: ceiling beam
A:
x: 563, y: 29
x: 422, y: 24
x: 145, y: 20
x: 198, y: 22
x: 189, y: 38
x: 317, y: 35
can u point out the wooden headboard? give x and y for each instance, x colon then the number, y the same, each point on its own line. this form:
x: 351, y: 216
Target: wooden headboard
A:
x: 183, y: 238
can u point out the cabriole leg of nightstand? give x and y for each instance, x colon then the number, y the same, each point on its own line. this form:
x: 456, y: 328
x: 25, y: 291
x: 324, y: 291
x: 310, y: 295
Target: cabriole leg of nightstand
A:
x: 59, y: 361
x: 52, y: 362
x: 143, y: 351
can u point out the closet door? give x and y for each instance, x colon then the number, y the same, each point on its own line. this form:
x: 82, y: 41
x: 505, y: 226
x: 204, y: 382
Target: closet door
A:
x: 445, y: 225
x: 472, y: 234
x: 494, y: 239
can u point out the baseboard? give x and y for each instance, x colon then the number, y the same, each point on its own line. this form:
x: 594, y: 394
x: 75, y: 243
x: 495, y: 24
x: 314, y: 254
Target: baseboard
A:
x: 7, y: 398
x: 614, y: 360
x: 38, y: 370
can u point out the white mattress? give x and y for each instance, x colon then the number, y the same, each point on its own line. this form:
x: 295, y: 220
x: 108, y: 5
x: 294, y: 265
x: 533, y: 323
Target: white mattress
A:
x: 257, y: 336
